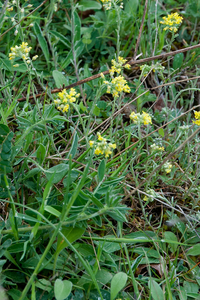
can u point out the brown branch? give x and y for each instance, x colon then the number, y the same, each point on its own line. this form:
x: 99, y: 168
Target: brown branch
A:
x: 141, y: 27
x: 131, y: 62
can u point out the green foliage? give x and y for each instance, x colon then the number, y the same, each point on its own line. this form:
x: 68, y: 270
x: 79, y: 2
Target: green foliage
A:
x: 77, y: 222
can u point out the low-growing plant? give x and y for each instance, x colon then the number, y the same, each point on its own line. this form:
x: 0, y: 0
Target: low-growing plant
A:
x: 99, y: 150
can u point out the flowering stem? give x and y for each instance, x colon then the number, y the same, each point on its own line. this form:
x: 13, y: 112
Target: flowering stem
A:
x: 118, y: 27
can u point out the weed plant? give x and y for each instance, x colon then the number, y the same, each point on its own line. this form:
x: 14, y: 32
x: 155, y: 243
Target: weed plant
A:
x: 99, y: 152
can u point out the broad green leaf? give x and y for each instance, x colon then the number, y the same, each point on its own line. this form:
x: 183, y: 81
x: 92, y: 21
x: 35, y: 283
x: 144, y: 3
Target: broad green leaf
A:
x: 4, y: 130
x: 59, y: 170
x: 171, y: 237
x: 195, y: 250
x: 89, y: 4
x: 103, y: 276
x: 15, y: 294
x: 96, y: 111
x: 178, y: 61
x: 42, y: 41
x: 60, y: 79
x: 62, y: 289
x: 156, y: 291
x: 131, y: 7
x: 161, y: 132
x: 117, y: 284
x: 72, y: 234
x: 101, y: 170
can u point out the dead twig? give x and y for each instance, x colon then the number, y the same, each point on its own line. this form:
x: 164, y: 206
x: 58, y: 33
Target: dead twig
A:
x: 141, y: 27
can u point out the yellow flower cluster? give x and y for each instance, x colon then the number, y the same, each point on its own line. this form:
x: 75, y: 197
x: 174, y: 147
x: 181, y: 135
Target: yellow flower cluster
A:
x: 117, y: 66
x: 117, y: 85
x: 107, y: 4
x: 155, y: 148
x: 172, y: 21
x: 167, y: 167
x: 64, y: 99
x: 21, y: 51
x: 102, y: 147
x: 143, y: 118
x: 197, y: 117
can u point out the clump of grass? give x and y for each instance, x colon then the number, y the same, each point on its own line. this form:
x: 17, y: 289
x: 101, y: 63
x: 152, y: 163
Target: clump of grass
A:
x: 96, y: 203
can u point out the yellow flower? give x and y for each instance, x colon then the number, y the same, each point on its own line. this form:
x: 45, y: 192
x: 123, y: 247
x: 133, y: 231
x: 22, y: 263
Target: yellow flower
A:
x: 172, y: 21
x: 100, y: 138
x: 21, y: 51
x: 167, y: 167
x: 155, y: 148
x: 35, y: 57
x: 137, y: 118
x: 91, y: 143
x: 197, y: 117
x: 146, y: 118
x: 117, y: 66
x: 102, y: 147
x: 66, y: 98
x: 10, y: 8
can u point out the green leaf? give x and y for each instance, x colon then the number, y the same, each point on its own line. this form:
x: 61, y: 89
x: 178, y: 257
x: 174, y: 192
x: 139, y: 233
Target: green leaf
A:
x: 42, y: 41
x: 41, y: 153
x: 131, y: 7
x: 52, y: 211
x: 171, y: 237
x: 4, y: 130
x: 117, y: 284
x: 178, y: 61
x: 44, y: 285
x: 47, y: 189
x: 59, y: 78
x: 161, y: 132
x: 103, y: 276
x: 15, y: 294
x: 62, y: 289
x: 62, y: 38
x: 59, y: 170
x: 74, y: 146
x: 77, y: 23
x: 156, y: 291
x: 195, y: 250
x: 96, y: 111
x: 88, y: 4
x: 101, y: 170
x: 79, y: 46
x: 72, y: 234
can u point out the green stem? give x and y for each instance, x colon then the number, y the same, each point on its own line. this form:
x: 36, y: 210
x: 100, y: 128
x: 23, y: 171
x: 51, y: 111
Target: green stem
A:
x: 14, y: 212
x: 134, y: 282
x: 34, y: 274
